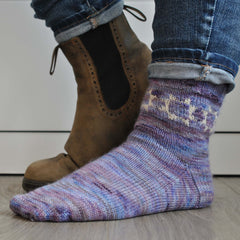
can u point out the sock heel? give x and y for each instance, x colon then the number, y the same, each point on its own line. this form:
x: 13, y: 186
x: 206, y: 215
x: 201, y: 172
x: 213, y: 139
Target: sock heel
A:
x: 204, y: 183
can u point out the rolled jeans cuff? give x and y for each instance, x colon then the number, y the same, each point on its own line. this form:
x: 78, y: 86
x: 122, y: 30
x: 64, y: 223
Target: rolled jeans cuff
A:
x: 198, y: 72
x: 73, y: 26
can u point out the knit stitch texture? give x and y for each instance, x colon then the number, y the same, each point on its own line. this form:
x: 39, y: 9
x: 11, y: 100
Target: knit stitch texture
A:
x: 162, y: 166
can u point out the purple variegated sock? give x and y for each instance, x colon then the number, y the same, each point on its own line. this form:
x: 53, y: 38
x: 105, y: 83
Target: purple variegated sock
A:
x: 162, y: 166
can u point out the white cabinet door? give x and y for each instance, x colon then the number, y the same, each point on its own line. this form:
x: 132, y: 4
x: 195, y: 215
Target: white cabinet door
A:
x: 18, y: 150
x: 225, y: 154
x: 32, y: 100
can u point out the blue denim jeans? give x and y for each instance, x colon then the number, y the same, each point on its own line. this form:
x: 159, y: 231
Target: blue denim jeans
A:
x: 193, y: 39
x: 70, y: 18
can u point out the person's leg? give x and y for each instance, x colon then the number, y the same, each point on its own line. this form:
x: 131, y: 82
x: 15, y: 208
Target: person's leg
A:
x: 164, y: 164
x: 110, y: 66
x: 196, y: 40
x: 69, y: 19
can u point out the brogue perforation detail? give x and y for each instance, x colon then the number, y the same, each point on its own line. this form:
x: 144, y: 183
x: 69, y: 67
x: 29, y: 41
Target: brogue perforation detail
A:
x: 129, y: 72
x: 96, y: 87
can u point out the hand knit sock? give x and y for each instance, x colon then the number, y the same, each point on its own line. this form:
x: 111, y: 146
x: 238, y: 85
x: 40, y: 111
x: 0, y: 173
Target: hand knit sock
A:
x: 162, y: 166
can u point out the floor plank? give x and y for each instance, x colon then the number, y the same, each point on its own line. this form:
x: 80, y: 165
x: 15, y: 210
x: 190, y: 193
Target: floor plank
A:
x: 232, y: 182
x: 219, y: 222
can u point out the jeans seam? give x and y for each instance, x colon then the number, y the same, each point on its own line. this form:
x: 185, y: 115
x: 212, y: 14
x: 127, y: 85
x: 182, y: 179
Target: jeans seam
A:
x: 195, y: 60
x: 90, y: 6
x: 211, y: 26
x: 205, y: 72
x: 85, y: 19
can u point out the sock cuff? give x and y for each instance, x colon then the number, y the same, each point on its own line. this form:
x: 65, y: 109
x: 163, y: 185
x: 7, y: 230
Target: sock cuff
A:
x: 208, y: 90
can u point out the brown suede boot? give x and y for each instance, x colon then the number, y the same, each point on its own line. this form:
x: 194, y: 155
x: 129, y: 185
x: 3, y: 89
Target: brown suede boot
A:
x: 110, y: 66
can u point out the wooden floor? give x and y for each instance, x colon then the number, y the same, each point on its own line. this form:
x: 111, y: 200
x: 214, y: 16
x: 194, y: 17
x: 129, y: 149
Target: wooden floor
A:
x: 219, y: 222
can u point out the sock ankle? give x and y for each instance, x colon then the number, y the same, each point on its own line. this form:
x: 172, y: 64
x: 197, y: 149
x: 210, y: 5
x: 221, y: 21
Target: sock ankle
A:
x: 162, y: 166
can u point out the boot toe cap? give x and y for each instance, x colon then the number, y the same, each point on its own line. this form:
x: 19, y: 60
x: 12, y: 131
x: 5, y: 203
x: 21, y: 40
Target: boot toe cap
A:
x: 47, y: 171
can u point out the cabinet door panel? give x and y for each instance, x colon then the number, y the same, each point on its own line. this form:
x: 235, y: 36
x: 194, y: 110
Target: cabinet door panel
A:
x: 18, y: 150
x: 31, y: 99
x: 224, y: 154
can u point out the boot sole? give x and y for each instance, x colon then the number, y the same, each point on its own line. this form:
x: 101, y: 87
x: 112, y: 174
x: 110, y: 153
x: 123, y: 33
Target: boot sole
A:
x: 29, y: 185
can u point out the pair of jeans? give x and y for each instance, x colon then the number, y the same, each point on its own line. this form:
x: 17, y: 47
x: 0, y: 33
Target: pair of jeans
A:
x: 193, y: 39
x: 70, y: 18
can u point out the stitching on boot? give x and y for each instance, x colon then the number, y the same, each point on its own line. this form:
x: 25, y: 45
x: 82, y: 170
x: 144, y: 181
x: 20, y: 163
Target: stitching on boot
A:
x: 95, y: 84
x: 129, y: 72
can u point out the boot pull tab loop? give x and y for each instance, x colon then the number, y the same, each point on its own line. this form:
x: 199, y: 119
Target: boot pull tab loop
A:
x: 142, y: 17
x: 54, y: 60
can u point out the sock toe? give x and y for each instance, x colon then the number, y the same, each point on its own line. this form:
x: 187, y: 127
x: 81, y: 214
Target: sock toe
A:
x: 20, y: 205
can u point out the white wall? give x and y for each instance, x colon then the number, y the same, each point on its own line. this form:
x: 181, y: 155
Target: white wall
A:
x: 32, y: 100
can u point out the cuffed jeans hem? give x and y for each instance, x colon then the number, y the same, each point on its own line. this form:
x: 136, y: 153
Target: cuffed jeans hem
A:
x: 197, y: 56
x: 165, y: 70
x: 102, y: 17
